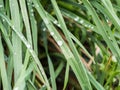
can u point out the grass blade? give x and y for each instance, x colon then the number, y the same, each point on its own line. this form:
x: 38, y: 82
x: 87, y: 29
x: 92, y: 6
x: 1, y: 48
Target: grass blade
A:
x: 3, y: 72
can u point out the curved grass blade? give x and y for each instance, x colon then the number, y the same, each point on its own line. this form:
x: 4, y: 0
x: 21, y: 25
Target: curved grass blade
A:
x: 27, y: 44
x: 86, y: 84
x: 71, y: 35
x: 101, y: 29
x: 63, y: 46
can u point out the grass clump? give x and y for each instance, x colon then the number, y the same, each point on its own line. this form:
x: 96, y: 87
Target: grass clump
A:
x: 59, y: 45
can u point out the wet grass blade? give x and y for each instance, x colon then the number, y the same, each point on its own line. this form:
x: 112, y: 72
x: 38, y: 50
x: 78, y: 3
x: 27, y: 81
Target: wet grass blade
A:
x: 101, y: 29
x: 86, y: 84
x: 33, y: 26
x: 5, y: 82
x: 52, y: 73
x: 66, y: 76
x: 17, y: 48
x: 27, y: 44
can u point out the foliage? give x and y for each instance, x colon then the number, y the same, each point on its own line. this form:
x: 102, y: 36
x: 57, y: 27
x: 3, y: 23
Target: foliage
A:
x: 59, y: 44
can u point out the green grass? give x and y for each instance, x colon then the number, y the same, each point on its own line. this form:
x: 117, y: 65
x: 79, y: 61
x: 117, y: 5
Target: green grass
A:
x: 59, y: 44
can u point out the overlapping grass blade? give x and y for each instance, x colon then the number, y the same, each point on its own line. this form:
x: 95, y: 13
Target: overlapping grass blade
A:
x: 17, y: 55
x: 30, y: 29
x: 5, y: 82
x: 111, y: 13
x: 86, y: 83
x: 10, y: 61
x: 71, y: 35
x: 33, y: 25
x: 50, y: 64
x: 26, y: 20
x: 27, y: 44
x: 101, y: 29
x: 64, y: 48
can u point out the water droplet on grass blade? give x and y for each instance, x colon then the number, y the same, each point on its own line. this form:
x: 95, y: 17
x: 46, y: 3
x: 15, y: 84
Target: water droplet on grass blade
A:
x: 92, y: 27
x: 33, y: 5
x: 107, y: 20
x: 46, y: 21
x: 60, y: 43
x: 114, y: 59
x: 58, y: 25
x: 31, y: 50
x: 76, y: 19
x: 1, y: 6
x: 81, y: 21
x: 28, y: 46
x: 55, y: 22
x: 31, y: 10
x: 109, y: 37
x: 37, y: 5
x: 28, y: 3
x: 85, y: 25
x: 13, y: 27
x: 52, y: 33
x: 16, y: 88
x: 44, y: 29
x: 89, y: 26
x: 22, y: 37
x: 32, y: 14
x: 43, y: 73
x: 15, y: 53
x: 3, y: 20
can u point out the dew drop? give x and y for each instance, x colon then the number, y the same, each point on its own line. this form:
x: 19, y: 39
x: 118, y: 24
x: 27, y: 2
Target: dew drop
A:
x: 32, y: 14
x: 1, y: 6
x: 92, y: 27
x: 28, y: 3
x: 43, y: 73
x: 55, y: 22
x: 31, y: 10
x: 33, y: 5
x: 114, y: 59
x: 37, y: 5
x: 31, y: 50
x: 28, y: 46
x: 81, y: 21
x: 59, y: 43
x: 107, y: 20
x: 3, y: 20
x: 76, y: 19
x: 89, y: 26
x: 44, y: 29
x: 109, y: 37
x: 13, y: 27
x: 15, y: 53
x: 43, y: 86
x: 40, y: 69
x: 52, y: 33
x: 46, y: 21
x: 85, y: 25
x: 58, y: 25
x: 16, y: 88
x: 22, y: 37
